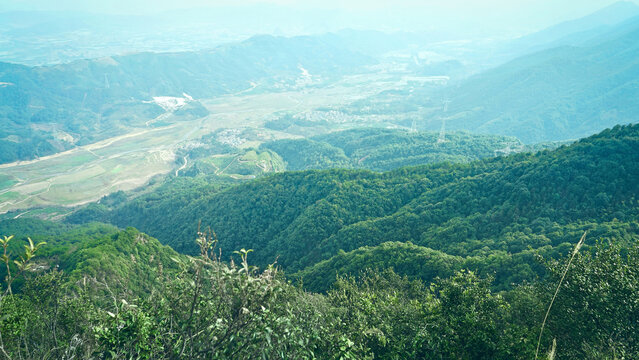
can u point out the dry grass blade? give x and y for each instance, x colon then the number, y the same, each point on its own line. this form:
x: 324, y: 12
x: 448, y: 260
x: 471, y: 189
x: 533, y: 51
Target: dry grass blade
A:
x: 553, y: 350
x: 543, y: 324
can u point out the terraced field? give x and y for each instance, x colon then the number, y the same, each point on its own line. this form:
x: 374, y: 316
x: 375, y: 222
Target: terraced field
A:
x: 246, y: 165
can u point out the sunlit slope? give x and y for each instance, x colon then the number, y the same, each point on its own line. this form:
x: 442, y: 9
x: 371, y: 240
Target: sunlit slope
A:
x: 95, y: 251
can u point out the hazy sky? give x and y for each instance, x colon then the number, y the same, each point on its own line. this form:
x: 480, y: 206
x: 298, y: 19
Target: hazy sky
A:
x: 516, y: 15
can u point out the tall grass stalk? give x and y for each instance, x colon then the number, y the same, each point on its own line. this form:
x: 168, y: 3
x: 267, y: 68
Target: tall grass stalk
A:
x: 543, y: 324
x: 553, y: 350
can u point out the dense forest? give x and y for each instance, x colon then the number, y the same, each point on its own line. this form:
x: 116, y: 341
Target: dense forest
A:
x: 493, y: 216
x: 120, y: 294
x: 222, y: 154
x: 445, y: 260
x: 384, y: 149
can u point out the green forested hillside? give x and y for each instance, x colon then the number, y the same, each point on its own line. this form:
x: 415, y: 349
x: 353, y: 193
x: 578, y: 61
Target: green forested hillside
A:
x: 175, y: 194
x: 96, y: 251
x: 383, y: 150
x: 492, y: 216
x: 390, y: 252
x: 403, y: 257
x: 122, y: 295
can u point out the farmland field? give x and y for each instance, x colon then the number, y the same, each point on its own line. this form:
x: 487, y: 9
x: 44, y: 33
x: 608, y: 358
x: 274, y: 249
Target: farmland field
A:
x: 87, y: 173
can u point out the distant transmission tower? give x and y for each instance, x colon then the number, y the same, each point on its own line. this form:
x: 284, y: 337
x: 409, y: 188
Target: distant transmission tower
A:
x: 413, y: 128
x: 442, y: 131
x: 446, y: 102
x: 106, y: 82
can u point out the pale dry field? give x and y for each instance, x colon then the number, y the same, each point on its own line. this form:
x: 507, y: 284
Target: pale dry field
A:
x: 87, y: 173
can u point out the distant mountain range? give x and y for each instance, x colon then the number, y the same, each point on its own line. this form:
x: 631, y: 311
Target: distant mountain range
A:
x: 51, y: 108
x: 581, y: 81
x: 566, y: 92
x: 574, y: 32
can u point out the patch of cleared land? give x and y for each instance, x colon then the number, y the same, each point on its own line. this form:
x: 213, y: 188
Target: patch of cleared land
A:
x: 246, y: 165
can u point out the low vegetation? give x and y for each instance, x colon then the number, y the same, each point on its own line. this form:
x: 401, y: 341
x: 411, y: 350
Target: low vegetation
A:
x: 148, y: 302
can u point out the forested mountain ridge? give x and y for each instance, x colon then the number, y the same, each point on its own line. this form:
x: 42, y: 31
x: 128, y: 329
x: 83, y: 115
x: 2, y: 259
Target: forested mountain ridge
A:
x: 386, y: 149
x: 488, y: 212
x: 366, y: 148
x: 561, y: 93
x: 576, y: 31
